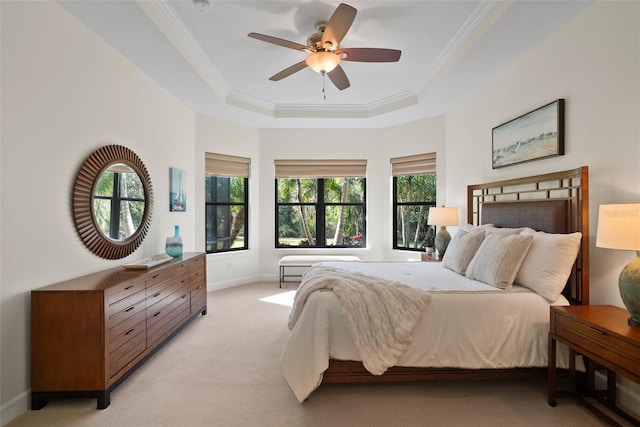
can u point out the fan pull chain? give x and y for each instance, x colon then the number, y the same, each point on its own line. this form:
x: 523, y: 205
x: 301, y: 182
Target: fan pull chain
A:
x: 324, y: 85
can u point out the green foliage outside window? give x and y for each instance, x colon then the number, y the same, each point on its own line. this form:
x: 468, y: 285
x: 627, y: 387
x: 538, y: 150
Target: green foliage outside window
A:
x: 226, y: 213
x: 323, y: 212
x: 118, y: 203
x: 413, y: 196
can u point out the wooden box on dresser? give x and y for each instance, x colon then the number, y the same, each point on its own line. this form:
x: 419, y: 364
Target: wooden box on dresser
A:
x: 89, y: 333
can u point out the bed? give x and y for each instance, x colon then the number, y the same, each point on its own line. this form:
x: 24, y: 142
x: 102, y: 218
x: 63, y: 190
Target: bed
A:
x: 481, y: 313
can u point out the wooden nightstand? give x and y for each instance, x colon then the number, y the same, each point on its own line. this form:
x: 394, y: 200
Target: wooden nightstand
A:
x: 430, y: 257
x: 602, y: 335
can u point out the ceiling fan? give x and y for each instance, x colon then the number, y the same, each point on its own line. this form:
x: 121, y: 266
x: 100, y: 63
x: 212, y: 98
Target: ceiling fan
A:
x: 323, y: 46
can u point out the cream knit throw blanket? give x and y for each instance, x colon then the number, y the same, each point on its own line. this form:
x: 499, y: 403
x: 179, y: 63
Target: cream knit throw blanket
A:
x: 379, y: 314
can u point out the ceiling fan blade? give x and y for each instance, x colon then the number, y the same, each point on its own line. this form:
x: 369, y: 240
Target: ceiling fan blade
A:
x: 369, y: 54
x: 288, y: 71
x: 339, y: 78
x: 279, y: 42
x: 338, y: 25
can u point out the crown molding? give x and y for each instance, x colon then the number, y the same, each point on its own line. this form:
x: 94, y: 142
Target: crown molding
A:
x: 162, y: 14
x: 474, y: 27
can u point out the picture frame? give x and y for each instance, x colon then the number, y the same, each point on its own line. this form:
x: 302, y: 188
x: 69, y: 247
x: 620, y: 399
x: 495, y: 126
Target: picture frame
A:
x: 535, y: 135
x: 177, y: 193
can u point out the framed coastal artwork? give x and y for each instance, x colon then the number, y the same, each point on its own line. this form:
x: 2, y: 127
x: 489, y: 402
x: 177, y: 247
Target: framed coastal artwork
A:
x: 177, y: 194
x: 535, y: 135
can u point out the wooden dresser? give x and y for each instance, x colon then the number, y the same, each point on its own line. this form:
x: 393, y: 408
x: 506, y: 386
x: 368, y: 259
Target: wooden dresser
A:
x: 89, y: 333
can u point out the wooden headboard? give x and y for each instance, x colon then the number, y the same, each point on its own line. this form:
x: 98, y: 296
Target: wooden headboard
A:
x: 555, y: 203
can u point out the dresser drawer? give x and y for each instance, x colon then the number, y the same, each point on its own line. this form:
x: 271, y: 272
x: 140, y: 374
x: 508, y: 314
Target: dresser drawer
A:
x: 197, y: 276
x: 126, y: 303
x: 160, y: 276
x: 612, y: 349
x: 124, y: 290
x: 161, y: 298
x: 169, y: 319
x: 132, y: 333
x: 198, y: 300
x: 119, y: 329
x: 198, y: 285
x: 135, y: 306
x: 159, y: 311
x: 126, y: 354
x: 195, y: 265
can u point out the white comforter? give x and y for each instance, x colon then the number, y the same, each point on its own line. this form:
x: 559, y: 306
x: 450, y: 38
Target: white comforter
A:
x: 379, y: 314
x: 467, y: 324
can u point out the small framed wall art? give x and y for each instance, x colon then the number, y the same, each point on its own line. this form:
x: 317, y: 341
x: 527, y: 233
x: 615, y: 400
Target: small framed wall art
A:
x: 535, y: 135
x: 177, y: 194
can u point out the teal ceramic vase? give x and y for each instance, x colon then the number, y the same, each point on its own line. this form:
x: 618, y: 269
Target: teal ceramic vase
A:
x: 174, y: 244
x: 629, y: 285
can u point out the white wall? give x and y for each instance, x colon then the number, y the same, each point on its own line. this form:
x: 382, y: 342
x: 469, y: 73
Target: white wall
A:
x: 65, y: 93
x: 376, y: 146
x: 217, y: 136
x: 594, y: 64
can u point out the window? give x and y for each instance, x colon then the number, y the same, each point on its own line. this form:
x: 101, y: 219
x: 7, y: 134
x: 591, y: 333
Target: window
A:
x: 226, y: 202
x: 119, y: 202
x: 414, y: 192
x: 320, y: 203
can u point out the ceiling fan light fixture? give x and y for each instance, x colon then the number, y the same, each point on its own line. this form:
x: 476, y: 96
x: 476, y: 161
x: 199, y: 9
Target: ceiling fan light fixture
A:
x: 323, y: 62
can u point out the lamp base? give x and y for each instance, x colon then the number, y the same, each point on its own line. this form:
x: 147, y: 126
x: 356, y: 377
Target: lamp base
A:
x: 442, y: 241
x: 629, y: 284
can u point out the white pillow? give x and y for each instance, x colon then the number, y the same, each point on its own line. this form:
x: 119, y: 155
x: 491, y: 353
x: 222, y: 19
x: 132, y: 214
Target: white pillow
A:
x: 547, y: 266
x: 499, y: 258
x: 491, y: 229
x: 461, y: 249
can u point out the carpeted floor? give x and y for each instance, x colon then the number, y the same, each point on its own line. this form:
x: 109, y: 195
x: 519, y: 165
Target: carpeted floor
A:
x: 223, y: 370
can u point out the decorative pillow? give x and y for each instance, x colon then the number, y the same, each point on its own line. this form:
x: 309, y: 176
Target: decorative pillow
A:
x: 547, y: 266
x: 461, y: 249
x: 472, y: 227
x: 503, y: 230
x: 499, y: 258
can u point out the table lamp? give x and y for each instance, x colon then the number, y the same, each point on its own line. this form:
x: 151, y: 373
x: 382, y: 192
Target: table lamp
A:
x: 442, y: 216
x: 619, y: 228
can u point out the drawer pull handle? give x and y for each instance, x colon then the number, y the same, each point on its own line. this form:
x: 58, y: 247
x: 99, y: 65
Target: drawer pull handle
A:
x: 156, y: 295
x: 155, y: 276
x: 183, y: 280
x: 129, y: 331
x: 199, y: 287
x: 129, y: 309
x: 157, y: 314
x: 128, y: 287
x: 184, y: 296
x: 597, y: 331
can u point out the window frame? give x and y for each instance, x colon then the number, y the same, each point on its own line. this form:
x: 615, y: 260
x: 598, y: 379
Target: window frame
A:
x: 115, y: 208
x: 397, y: 204
x: 320, y: 210
x: 216, y: 204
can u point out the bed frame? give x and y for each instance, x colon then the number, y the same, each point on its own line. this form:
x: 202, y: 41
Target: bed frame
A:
x: 555, y: 203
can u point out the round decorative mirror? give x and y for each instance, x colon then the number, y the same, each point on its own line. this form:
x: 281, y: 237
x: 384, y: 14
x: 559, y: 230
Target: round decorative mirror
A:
x: 112, y: 202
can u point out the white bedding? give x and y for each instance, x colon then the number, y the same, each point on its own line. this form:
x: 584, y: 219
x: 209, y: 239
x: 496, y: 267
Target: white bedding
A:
x: 467, y: 324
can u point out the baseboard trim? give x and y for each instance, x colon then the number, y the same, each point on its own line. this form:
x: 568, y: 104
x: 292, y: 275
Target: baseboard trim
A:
x: 627, y: 392
x: 15, y: 407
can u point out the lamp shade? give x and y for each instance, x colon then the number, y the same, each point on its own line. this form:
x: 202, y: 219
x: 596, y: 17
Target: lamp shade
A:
x: 619, y: 227
x: 323, y: 62
x: 443, y: 216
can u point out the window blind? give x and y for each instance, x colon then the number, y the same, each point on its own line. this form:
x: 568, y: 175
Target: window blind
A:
x: 338, y: 168
x: 225, y: 165
x: 417, y: 164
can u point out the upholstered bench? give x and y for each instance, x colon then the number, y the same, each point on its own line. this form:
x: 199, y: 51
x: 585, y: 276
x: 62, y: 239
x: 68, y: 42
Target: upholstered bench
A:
x: 308, y: 261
